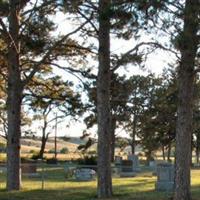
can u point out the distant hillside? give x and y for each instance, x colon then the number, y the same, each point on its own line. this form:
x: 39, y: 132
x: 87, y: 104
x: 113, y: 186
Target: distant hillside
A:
x: 74, y: 140
x: 71, y: 143
x: 28, y: 144
x: 2, y: 140
x: 34, y: 144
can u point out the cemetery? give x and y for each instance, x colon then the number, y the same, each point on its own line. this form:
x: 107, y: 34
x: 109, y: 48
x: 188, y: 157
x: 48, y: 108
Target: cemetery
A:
x: 81, y: 183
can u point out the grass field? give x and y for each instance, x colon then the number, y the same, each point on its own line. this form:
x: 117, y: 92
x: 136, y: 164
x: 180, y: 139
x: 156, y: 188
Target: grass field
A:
x: 57, y: 187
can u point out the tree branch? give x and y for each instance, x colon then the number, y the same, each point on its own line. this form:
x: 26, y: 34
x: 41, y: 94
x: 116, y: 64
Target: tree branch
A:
x: 136, y: 48
x: 48, y: 54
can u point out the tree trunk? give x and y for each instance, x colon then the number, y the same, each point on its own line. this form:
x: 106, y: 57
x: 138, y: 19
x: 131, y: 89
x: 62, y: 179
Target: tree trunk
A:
x: 103, y: 103
x: 43, y: 141
x: 55, y: 138
x: 113, y: 127
x: 14, y: 99
x: 163, y: 152
x: 148, y: 155
x: 188, y: 48
x: 133, y: 135
x: 42, y: 148
x: 169, y: 152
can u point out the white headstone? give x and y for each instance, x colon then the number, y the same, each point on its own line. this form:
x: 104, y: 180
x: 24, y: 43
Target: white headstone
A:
x: 135, y: 161
x: 84, y: 174
x: 165, y: 177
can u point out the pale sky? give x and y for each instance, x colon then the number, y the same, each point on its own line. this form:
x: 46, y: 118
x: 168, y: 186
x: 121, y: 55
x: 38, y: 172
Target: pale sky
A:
x: 155, y: 64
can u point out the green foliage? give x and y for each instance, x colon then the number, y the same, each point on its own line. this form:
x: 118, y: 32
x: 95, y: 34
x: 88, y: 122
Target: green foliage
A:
x: 51, y: 161
x: 88, y: 160
x: 121, y: 143
x: 4, y: 8
x: 35, y: 156
x: 64, y: 150
x: 51, y: 151
x: 87, y: 145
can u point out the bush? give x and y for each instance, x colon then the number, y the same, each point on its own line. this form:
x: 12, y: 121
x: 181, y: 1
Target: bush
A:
x: 64, y: 150
x: 51, y: 151
x: 52, y: 161
x: 88, y: 160
x: 35, y: 156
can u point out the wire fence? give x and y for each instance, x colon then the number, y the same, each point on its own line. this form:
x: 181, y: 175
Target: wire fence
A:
x: 46, y: 176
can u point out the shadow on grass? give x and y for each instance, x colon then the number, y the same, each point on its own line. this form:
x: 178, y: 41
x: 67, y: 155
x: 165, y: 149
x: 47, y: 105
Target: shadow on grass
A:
x: 122, y: 192
x: 195, y: 192
x: 139, y: 190
x: 84, y: 193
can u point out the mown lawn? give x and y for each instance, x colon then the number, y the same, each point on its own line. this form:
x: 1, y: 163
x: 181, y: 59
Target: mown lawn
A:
x: 57, y: 187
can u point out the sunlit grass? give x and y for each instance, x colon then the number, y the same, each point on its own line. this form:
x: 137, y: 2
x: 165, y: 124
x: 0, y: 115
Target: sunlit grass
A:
x: 57, y: 187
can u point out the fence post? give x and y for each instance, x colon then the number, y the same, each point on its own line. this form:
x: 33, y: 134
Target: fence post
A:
x: 42, y: 175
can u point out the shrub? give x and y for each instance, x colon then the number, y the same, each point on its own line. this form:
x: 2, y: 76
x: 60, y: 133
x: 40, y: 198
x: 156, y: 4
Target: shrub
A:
x: 88, y: 160
x: 35, y: 156
x: 52, y: 161
x: 64, y: 150
x: 51, y: 151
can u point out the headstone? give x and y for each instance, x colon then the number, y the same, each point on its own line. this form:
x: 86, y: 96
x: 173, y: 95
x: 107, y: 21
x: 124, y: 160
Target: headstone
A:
x: 135, y: 161
x: 152, y: 164
x: 153, y: 167
x: 29, y: 168
x: 127, y: 169
x: 165, y: 177
x: 84, y: 174
x: 118, y: 160
x: 196, y: 165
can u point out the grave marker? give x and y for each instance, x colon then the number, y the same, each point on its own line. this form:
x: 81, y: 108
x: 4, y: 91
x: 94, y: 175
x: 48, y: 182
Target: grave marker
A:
x: 165, y: 177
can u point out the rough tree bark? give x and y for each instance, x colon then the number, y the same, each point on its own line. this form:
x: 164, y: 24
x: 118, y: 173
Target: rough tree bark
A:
x: 14, y: 91
x: 188, y: 48
x: 113, y: 127
x: 103, y: 103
